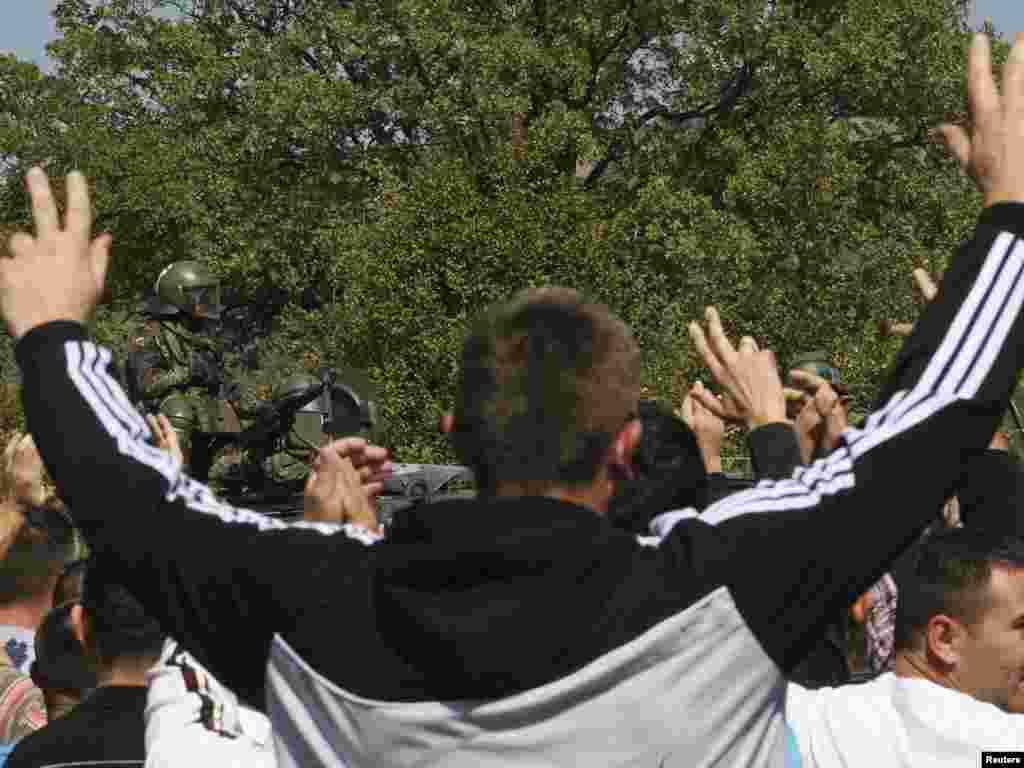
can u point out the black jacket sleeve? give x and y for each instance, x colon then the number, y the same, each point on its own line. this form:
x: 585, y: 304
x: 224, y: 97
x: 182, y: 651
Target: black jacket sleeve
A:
x: 795, y: 552
x: 774, y: 451
x: 718, y: 487
x: 222, y: 581
x: 992, y: 496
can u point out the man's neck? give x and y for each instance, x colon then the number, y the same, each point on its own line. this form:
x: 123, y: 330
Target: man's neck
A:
x: 591, y: 496
x: 130, y: 674
x: 914, y: 665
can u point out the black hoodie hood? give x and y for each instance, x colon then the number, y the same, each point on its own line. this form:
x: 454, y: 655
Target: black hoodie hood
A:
x: 488, y: 598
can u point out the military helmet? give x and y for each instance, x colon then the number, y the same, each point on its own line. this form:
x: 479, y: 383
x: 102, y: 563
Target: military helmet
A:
x: 188, y: 285
x: 818, y: 363
x: 295, y: 385
x: 354, y: 406
x: 308, y: 427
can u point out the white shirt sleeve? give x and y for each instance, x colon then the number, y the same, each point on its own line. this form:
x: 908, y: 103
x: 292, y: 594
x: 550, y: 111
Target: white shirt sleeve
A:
x: 191, y: 719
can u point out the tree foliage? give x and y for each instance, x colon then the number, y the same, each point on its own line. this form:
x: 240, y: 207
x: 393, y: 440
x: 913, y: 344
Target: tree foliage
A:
x: 413, y: 160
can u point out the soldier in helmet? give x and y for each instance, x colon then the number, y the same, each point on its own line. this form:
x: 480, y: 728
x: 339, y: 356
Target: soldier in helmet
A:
x: 342, y: 409
x: 177, y: 363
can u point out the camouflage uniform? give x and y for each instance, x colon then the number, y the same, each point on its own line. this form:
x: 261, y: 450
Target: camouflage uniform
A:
x: 183, y: 360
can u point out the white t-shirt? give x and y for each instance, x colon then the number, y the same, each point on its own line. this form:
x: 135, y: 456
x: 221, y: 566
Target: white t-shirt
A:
x: 897, y: 721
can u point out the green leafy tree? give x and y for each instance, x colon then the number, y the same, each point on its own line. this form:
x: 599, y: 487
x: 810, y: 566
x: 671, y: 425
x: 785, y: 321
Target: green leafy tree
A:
x: 414, y: 160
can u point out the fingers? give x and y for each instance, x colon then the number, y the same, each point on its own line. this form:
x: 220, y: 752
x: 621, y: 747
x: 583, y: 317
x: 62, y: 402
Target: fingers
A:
x: 925, y: 284
x: 897, y: 329
x: 44, y: 206
x: 807, y: 380
x: 958, y: 143
x: 361, y: 454
x: 825, y: 399
x: 809, y: 416
x: 345, y: 446
x: 99, y: 255
x: 707, y: 354
x: 20, y: 244
x: 702, y: 416
x: 711, y: 403
x: 983, y: 98
x: 716, y: 334
x: 748, y: 345
x: 1013, y: 83
x: 78, y: 216
x: 686, y: 409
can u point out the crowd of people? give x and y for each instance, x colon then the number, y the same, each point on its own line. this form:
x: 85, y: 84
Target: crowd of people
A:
x: 607, y: 598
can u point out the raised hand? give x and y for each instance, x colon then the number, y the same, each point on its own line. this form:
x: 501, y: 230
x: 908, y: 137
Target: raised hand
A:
x: 749, y: 376
x: 927, y: 288
x: 822, y: 419
x: 59, y: 273
x: 708, y: 428
x: 993, y: 154
x: 347, y: 475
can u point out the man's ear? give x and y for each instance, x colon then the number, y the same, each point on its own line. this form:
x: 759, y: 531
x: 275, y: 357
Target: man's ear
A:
x: 78, y: 621
x: 447, y: 422
x: 944, y: 637
x: 625, y: 444
x: 859, y: 610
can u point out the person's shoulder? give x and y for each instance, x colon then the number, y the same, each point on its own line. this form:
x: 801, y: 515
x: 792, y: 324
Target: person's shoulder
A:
x: 801, y: 700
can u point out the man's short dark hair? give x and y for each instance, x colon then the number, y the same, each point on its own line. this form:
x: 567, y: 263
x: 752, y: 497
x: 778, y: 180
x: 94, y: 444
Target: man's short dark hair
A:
x: 118, y: 627
x: 547, y: 380
x: 952, y: 576
x: 40, y: 546
x: 60, y: 663
x: 668, y: 470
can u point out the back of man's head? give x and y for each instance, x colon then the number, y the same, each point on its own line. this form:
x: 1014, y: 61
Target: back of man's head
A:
x: 116, y: 628
x: 547, y: 381
x: 39, y: 546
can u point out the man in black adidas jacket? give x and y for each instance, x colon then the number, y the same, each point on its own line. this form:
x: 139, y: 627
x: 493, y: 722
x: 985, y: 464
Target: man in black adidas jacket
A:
x: 521, y: 628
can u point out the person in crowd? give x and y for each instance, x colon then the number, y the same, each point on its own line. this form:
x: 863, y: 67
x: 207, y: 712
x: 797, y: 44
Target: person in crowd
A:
x: 41, y: 544
x: 705, y: 625
x: 668, y: 471
x: 23, y: 471
x: 957, y: 686
x: 191, y: 719
x: 121, y: 642
x: 61, y: 670
x: 37, y: 543
x: 22, y: 706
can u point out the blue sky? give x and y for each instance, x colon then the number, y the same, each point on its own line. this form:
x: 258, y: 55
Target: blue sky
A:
x: 26, y: 25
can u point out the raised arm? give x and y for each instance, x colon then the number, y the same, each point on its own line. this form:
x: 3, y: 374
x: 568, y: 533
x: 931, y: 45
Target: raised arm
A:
x: 794, y: 553
x: 205, y: 570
